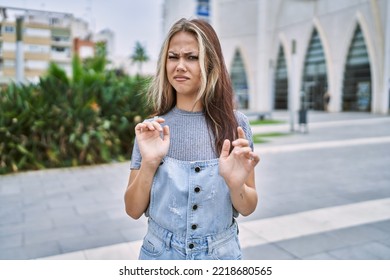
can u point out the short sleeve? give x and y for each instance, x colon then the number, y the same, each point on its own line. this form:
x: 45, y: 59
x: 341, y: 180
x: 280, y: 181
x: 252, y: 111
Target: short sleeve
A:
x: 243, y: 121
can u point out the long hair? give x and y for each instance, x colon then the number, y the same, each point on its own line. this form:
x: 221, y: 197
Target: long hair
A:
x: 215, y: 92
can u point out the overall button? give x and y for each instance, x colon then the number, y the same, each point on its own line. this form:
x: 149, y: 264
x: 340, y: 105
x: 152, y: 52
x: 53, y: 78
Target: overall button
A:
x: 197, y: 169
x: 194, y: 227
x: 197, y: 189
x: 191, y: 246
x: 194, y: 207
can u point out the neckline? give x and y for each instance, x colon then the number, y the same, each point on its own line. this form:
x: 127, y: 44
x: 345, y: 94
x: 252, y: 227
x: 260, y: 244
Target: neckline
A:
x: 184, y: 112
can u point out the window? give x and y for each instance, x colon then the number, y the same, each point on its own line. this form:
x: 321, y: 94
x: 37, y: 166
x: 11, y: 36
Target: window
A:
x: 60, y: 52
x: 281, y: 82
x: 65, y: 50
x: 59, y: 38
x: 8, y: 63
x: 58, y: 49
x: 357, y: 76
x: 239, y: 81
x: 54, y: 21
x: 314, y: 83
x: 9, y: 29
x: 36, y: 48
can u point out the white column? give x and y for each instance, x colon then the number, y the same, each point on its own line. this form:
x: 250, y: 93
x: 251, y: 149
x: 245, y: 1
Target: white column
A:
x: 385, y: 104
x: 260, y: 98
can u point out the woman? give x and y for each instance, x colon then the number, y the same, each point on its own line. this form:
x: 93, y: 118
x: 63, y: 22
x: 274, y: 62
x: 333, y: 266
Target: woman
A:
x: 192, y: 168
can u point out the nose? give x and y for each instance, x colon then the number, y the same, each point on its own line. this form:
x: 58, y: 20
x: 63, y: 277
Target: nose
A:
x: 181, y: 65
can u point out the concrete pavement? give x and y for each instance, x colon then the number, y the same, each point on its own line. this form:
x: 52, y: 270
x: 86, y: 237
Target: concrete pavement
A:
x: 323, y: 195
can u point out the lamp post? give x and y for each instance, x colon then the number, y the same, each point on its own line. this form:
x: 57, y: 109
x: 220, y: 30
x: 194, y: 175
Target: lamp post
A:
x: 19, y: 51
x: 292, y: 85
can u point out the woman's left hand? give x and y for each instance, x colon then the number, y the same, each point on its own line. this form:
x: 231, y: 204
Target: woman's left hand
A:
x: 236, y: 166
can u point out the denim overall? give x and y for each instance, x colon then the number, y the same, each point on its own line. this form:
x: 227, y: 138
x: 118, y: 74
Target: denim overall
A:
x: 190, y: 214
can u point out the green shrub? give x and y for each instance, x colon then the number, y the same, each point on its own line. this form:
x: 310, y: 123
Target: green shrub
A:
x: 61, y: 122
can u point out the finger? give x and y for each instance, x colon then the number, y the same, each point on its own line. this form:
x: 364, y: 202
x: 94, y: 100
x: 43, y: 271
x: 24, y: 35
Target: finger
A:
x: 240, y: 143
x: 157, y: 126
x: 166, y: 133
x: 153, y: 125
x: 241, y: 133
x: 139, y: 127
x: 246, y: 151
x: 159, y: 119
x: 225, y: 149
x: 254, y: 158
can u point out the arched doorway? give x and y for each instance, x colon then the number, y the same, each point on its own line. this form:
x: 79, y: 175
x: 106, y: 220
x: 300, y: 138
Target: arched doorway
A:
x: 314, y: 83
x: 239, y: 81
x: 281, y: 82
x: 357, y: 76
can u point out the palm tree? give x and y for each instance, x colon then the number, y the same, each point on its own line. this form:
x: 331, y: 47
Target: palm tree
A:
x: 139, y: 56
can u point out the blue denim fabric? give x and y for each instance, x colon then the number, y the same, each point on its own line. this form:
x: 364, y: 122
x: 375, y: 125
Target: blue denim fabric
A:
x: 190, y: 213
x: 161, y: 244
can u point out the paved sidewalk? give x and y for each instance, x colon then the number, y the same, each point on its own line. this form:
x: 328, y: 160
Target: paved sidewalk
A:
x: 323, y: 195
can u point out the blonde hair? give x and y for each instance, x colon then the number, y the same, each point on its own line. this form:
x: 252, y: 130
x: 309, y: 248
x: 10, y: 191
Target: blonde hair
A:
x: 215, y: 92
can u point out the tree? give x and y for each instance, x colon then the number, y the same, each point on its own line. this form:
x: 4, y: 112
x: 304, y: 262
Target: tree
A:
x: 139, y: 56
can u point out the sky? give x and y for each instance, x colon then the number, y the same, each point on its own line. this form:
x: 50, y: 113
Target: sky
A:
x: 130, y: 20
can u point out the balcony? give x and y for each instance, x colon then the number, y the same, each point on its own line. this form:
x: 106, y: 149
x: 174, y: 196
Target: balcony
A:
x: 60, y: 55
x: 61, y: 41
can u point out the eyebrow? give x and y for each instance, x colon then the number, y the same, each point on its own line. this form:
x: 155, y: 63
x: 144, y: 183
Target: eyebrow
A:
x: 185, y: 53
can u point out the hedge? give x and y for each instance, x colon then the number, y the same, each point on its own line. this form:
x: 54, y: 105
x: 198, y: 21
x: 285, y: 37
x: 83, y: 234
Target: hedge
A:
x: 61, y: 123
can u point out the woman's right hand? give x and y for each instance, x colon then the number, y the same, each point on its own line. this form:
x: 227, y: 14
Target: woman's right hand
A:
x: 152, y: 146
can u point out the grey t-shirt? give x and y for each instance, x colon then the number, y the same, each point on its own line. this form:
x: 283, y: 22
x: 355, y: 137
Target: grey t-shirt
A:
x: 190, y: 138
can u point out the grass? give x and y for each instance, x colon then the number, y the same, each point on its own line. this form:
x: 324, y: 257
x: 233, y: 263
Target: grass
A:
x: 264, y: 137
x: 265, y: 122
x: 259, y: 138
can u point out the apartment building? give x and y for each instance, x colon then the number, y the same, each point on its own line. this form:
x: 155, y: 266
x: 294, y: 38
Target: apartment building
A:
x: 46, y: 37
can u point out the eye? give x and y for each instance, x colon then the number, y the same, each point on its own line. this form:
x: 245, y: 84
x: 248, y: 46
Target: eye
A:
x: 172, y: 57
x: 193, y: 57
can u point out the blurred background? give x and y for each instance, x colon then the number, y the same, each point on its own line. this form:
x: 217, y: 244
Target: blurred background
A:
x: 313, y: 77
x: 331, y: 55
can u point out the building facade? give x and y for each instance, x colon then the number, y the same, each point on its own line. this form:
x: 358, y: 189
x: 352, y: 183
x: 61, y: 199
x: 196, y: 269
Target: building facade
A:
x: 331, y: 55
x: 46, y: 37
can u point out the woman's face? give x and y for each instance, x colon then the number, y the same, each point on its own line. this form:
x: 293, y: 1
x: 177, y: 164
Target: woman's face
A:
x: 182, y: 66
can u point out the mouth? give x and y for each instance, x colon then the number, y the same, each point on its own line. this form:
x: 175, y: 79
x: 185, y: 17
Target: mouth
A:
x: 180, y: 78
